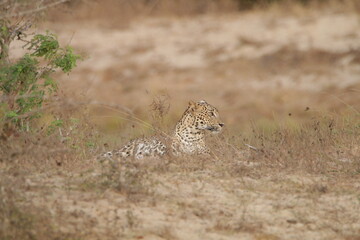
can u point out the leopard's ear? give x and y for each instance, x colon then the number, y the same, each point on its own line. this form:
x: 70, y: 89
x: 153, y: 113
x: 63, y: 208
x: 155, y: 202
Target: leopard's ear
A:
x: 192, y: 105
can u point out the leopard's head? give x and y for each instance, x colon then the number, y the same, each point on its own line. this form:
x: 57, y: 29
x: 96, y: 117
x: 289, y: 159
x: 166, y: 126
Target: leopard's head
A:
x: 206, y: 117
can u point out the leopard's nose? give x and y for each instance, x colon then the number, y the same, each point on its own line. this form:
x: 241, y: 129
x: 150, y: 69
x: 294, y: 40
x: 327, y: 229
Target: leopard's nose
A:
x: 221, y: 124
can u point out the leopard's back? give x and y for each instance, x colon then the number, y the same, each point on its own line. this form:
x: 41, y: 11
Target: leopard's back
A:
x: 140, y: 148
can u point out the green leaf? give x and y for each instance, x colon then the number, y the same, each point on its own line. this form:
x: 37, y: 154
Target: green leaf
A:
x: 11, y: 114
x: 57, y: 123
x: 66, y: 60
x: 90, y: 144
x: 44, y: 45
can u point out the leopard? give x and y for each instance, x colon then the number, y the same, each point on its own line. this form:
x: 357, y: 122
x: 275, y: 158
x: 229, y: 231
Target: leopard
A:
x: 188, y: 137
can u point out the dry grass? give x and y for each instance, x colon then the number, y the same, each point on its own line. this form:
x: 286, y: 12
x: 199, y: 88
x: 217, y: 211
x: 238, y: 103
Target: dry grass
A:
x: 20, y: 218
x: 316, y: 162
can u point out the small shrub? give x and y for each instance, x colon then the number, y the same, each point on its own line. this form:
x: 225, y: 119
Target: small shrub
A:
x: 25, y: 84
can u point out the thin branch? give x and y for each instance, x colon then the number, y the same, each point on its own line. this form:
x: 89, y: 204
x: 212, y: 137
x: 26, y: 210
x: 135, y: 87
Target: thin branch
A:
x: 32, y: 11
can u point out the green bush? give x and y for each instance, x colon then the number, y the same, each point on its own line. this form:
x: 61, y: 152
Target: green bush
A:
x: 25, y: 84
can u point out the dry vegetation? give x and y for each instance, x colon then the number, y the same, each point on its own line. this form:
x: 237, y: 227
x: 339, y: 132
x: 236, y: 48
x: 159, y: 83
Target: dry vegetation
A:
x: 286, y: 81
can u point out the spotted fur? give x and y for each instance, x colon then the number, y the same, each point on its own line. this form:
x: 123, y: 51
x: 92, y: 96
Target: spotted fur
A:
x: 188, y: 137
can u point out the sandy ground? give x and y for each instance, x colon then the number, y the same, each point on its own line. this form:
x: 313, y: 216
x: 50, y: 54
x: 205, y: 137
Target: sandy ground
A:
x: 201, y: 205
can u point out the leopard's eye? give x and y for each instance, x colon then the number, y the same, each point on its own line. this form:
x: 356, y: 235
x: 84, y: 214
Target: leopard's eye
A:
x: 212, y: 114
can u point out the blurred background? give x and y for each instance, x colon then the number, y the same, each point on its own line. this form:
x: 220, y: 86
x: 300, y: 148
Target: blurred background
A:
x: 258, y: 62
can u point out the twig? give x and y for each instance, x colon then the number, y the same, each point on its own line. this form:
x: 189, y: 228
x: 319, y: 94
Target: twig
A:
x: 32, y: 11
x: 251, y: 147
